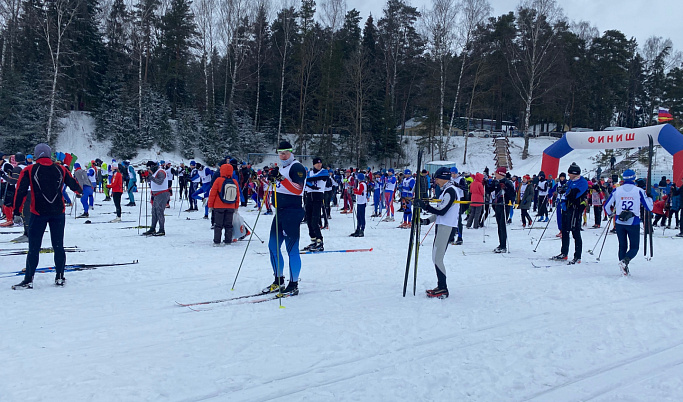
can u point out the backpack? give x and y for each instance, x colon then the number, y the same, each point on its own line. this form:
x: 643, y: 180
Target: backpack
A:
x: 229, y: 191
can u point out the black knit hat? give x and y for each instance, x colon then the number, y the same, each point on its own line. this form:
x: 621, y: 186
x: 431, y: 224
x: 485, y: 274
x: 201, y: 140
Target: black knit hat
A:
x: 284, y: 146
x: 317, y: 160
x: 443, y: 173
x: 574, y: 169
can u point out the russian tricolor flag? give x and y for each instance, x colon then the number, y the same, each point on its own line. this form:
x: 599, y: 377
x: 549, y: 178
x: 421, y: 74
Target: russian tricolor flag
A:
x: 664, y: 115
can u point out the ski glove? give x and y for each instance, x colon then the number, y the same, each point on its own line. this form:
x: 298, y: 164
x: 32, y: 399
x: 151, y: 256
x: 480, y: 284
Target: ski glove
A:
x: 424, y: 221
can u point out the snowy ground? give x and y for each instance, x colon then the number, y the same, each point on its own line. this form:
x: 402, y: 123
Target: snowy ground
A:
x: 509, y: 331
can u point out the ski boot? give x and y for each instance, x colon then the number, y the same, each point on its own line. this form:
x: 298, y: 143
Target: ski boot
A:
x: 292, y: 289
x: 437, y: 293
x: 574, y: 261
x: 317, y: 247
x: 276, y: 286
x: 354, y: 234
x: 361, y: 233
x: 623, y: 265
x: 59, y: 280
x: 308, y: 248
x: 159, y: 233
x: 115, y: 220
x: 500, y: 250
x: 23, y: 285
x: 150, y: 232
x: 84, y: 215
x: 458, y: 242
x: 559, y: 257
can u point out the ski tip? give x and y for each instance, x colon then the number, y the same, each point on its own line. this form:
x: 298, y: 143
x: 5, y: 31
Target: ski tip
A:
x: 281, y: 307
x: 371, y: 249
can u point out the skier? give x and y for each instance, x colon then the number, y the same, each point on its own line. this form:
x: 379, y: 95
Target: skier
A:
x: 315, y: 187
x: 160, y: 195
x: 389, y: 187
x: 445, y: 214
x: 526, y: 199
x: 461, y: 183
x: 597, y: 199
x: 116, y: 188
x: 542, y: 187
x: 45, y: 179
x: 572, y: 210
x: 476, y: 207
x: 86, y: 186
x: 289, y: 181
x: 626, y: 202
x: 361, y: 192
x: 132, y: 184
x: 194, y: 183
x: 223, y: 202
x: 10, y: 174
x: 497, y: 189
x: 407, y: 194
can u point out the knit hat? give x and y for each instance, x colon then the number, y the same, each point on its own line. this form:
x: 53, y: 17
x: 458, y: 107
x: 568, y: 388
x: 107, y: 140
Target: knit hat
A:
x: 29, y: 156
x: 391, y: 170
x: 19, y: 157
x: 501, y: 170
x: 77, y: 165
x: 574, y: 169
x: 193, y: 163
x: 360, y: 176
x: 563, y: 174
x: 284, y: 146
x: 454, y: 169
x: 629, y: 175
x: 541, y: 174
x: 407, y: 172
x: 42, y: 151
x: 443, y: 173
x: 317, y: 160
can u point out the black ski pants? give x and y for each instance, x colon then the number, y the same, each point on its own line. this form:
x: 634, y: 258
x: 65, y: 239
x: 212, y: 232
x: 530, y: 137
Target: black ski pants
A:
x: 37, y: 225
x: 222, y: 220
x: 571, y: 222
x: 501, y: 221
x: 117, y: 203
x: 313, y: 208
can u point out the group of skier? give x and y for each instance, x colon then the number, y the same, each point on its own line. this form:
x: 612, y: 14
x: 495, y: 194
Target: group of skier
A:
x: 299, y: 194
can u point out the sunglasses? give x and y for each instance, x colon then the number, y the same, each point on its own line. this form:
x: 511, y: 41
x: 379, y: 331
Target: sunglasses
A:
x: 283, y: 151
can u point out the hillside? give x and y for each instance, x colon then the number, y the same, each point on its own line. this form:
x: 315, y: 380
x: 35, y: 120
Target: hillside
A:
x: 77, y: 137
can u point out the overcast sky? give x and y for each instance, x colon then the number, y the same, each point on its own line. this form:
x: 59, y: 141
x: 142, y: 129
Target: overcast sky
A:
x: 637, y: 18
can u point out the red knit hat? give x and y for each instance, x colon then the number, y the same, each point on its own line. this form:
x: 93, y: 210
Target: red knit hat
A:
x: 501, y: 170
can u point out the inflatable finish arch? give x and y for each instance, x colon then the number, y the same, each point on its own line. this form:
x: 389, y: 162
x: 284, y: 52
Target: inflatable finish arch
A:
x: 664, y: 134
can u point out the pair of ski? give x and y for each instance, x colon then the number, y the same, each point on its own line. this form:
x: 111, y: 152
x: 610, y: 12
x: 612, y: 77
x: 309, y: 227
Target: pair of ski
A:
x: 44, y: 250
x: 558, y: 263
x: 67, y: 268
x: 414, y: 234
x: 255, y: 298
x: 354, y: 250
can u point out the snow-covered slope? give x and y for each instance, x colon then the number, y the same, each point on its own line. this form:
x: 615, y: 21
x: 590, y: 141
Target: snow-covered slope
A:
x: 78, y: 138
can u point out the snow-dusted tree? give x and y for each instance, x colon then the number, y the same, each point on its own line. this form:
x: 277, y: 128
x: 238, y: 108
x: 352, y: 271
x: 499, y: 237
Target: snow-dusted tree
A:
x: 188, y: 131
x: 532, y: 54
x: 24, y: 123
x: 154, y: 127
x: 659, y: 58
x: 234, y: 16
x: 205, y: 16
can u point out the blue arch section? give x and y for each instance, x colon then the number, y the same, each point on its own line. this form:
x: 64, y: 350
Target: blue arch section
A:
x: 559, y: 148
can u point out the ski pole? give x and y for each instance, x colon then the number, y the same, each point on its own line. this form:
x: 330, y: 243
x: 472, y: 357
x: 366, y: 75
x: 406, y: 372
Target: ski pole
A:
x: 140, y: 214
x: 252, y: 230
x: 250, y: 236
x: 601, y: 234
x: 429, y: 230
x: 546, y: 228
x: 603, y: 240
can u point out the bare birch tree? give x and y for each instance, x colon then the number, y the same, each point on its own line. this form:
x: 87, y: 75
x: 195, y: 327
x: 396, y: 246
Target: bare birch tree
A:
x: 58, y: 16
x: 287, y: 21
x: 206, y: 19
x: 260, y: 36
x: 440, y: 23
x: 233, y: 13
x: 473, y: 13
x: 531, y: 55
